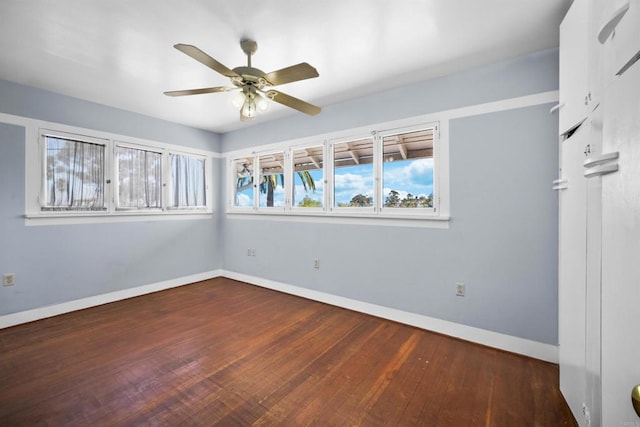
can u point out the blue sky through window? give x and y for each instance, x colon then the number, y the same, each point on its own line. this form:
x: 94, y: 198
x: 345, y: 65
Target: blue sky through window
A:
x: 413, y: 177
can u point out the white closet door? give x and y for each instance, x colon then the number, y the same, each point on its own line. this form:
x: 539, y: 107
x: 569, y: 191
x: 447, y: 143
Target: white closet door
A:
x: 572, y: 271
x: 620, y: 30
x: 592, y: 410
x: 573, y: 65
x: 621, y: 251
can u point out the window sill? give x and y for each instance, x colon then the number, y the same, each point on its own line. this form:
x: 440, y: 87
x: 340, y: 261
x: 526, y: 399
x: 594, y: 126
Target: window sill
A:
x: 60, y: 218
x: 395, y: 220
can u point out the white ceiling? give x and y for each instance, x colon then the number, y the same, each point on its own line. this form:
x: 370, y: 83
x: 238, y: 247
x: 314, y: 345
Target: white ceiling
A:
x: 119, y: 52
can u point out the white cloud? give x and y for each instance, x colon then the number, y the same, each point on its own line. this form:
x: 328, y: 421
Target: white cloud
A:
x: 348, y: 185
x: 413, y: 176
x: 243, y: 200
x: 353, y: 181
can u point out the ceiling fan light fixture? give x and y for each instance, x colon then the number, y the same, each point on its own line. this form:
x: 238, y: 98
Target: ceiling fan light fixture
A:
x: 249, y: 108
x: 261, y: 103
x: 237, y: 100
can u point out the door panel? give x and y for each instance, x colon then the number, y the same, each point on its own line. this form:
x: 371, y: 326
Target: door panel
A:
x: 572, y: 271
x: 573, y: 66
x: 592, y: 411
x: 621, y: 251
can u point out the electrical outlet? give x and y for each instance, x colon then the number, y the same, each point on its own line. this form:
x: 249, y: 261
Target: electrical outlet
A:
x: 316, y: 263
x: 8, y: 279
x: 460, y: 289
x: 253, y: 252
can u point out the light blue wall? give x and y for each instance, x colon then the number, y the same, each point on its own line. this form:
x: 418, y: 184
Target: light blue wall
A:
x: 502, y: 240
x: 517, y: 77
x: 60, y: 263
x: 40, y: 104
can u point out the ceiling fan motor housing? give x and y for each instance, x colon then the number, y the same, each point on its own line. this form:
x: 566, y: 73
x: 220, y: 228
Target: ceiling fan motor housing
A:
x: 250, y: 75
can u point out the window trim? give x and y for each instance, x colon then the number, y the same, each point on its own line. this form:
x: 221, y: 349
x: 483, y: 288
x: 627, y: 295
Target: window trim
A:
x: 43, y: 133
x: 116, y: 175
x: 35, y: 164
x: 168, y: 194
x: 307, y: 210
x: 256, y: 184
x: 438, y: 217
x: 233, y: 180
x: 419, y: 212
x: 350, y: 210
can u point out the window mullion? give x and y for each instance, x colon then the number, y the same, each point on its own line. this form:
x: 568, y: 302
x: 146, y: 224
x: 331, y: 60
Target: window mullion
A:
x: 166, y: 178
x: 256, y: 178
x: 326, y: 186
x: 377, y: 173
x: 330, y: 176
x: 43, y: 168
x: 287, y: 173
x: 111, y: 176
x: 436, y: 169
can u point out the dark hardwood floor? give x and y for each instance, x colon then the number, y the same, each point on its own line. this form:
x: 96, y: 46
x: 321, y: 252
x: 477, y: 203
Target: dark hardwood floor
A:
x: 222, y: 352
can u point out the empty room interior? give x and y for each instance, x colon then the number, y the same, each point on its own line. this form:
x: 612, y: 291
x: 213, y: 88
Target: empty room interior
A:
x: 320, y: 213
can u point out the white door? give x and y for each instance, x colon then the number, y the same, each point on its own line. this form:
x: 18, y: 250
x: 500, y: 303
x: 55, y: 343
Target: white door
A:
x: 624, y: 39
x: 621, y: 251
x: 591, y: 414
x: 572, y: 270
x: 573, y: 63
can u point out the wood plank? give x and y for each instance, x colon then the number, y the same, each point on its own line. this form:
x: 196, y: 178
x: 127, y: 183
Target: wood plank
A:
x: 221, y: 352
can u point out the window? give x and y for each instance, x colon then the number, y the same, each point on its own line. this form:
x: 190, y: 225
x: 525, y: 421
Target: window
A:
x: 139, y: 178
x: 271, y: 181
x: 407, y: 169
x: 308, y: 177
x: 353, y: 174
x: 84, y: 176
x: 75, y: 174
x: 389, y: 173
x: 187, y: 181
x: 243, y: 182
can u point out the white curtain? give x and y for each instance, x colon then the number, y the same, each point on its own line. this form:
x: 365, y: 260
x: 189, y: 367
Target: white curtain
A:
x: 187, y: 181
x: 139, y: 178
x: 75, y: 175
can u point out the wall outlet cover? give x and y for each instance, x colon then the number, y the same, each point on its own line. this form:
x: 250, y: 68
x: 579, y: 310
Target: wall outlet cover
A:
x: 8, y: 279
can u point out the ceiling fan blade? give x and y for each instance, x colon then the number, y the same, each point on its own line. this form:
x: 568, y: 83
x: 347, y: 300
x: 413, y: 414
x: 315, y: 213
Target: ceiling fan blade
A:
x: 290, y: 101
x: 205, y: 59
x: 294, y: 73
x: 198, y: 91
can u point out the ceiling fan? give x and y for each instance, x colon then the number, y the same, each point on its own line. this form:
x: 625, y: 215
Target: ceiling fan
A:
x: 253, y: 85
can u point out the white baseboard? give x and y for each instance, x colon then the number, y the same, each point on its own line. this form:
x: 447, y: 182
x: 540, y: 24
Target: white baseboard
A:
x: 546, y: 352
x: 79, y: 304
x: 537, y: 350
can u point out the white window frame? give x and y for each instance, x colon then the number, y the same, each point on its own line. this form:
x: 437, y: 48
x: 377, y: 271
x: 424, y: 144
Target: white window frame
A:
x: 116, y: 175
x: 325, y: 197
x: 42, y: 162
x: 436, y: 217
x: 350, y: 210
x: 410, y: 212
x: 168, y: 194
x: 232, y: 183
x: 287, y: 185
x: 35, y: 176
